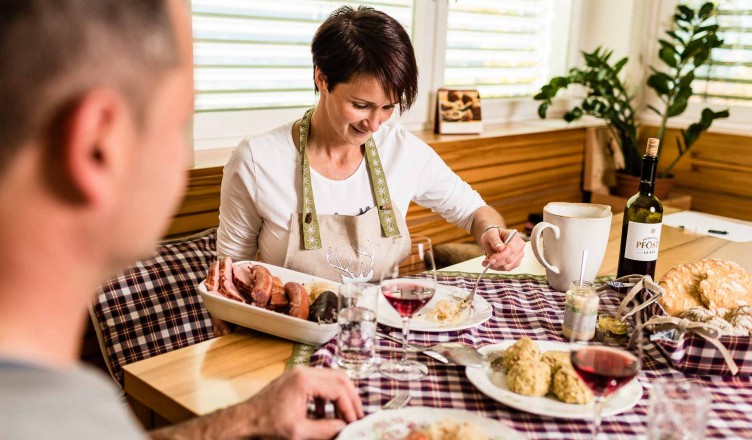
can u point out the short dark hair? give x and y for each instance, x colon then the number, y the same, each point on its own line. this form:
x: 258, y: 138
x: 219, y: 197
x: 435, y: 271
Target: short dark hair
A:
x: 54, y: 50
x: 353, y: 42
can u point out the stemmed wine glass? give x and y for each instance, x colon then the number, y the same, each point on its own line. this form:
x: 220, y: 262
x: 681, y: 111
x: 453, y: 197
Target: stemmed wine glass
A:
x: 605, y: 367
x: 407, y: 296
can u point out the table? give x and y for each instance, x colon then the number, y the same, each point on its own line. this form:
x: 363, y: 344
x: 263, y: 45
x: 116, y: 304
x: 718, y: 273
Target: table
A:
x: 217, y: 373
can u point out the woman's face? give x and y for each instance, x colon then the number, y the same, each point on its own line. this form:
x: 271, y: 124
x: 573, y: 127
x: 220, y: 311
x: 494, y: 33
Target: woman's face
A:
x: 356, y: 109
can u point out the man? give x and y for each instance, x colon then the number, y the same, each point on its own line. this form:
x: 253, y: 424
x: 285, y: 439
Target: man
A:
x: 96, y: 107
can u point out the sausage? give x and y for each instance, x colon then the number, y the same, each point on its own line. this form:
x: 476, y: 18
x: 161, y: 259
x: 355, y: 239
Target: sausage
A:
x: 262, y: 285
x: 298, y: 297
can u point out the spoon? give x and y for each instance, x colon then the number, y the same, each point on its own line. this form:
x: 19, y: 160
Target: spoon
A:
x: 469, y: 299
x: 454, y: 352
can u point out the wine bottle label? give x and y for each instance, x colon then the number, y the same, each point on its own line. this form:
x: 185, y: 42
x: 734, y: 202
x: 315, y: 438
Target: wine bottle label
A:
x: 642, y: 241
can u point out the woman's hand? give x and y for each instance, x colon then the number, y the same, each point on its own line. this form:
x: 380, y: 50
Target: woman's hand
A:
x: 498, y: 255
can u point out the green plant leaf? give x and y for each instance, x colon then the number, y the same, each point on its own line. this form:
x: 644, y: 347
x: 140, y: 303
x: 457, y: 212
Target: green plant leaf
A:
x: 618, y: 66
x: 668, y: 56
x: 687, y: 79
x: 707, y: 28
x: 542, y: 109
x: 677, y: 107
x: 686, y: 12
x: 660, y: 83
x: 706, y: 10
x: 559, y: 82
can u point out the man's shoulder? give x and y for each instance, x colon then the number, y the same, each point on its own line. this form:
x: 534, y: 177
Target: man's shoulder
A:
x: 38, y: 402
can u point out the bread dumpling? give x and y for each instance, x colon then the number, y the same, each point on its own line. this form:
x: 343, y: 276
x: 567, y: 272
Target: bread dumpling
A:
x: 530, y: 378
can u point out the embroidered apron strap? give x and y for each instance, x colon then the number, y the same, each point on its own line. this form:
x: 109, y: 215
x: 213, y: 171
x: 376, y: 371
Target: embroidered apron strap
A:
x: 381, y: 191
x: 309, y: 219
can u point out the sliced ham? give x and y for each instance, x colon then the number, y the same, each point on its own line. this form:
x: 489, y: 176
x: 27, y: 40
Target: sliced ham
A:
x: 241, y: 276
x: 226, y: 286
x: 212, y: 278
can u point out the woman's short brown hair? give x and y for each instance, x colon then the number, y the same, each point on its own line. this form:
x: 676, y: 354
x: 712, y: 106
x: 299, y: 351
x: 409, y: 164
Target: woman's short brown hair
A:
x: 364, y: 41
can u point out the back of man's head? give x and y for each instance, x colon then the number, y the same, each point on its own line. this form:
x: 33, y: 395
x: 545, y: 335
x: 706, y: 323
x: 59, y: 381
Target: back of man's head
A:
x: 54, y: 50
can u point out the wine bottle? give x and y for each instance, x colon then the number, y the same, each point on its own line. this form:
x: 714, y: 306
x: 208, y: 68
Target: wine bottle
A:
x: 643, y: 216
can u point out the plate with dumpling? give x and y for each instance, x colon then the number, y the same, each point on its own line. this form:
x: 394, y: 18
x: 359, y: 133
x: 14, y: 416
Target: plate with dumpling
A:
x: 538, y: 377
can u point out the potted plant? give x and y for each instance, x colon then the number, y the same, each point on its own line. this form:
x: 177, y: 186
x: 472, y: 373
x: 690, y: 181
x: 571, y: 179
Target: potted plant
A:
x: 690, y: 43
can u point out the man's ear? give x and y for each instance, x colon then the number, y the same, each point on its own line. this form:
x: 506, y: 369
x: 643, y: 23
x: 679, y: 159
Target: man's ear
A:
x: 91, y: 146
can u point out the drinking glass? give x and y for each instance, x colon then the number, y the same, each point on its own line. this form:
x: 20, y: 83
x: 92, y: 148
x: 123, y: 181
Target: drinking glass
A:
x: 604, y: 367
x: 677, y: 410
x: 408, y: 285
x: 356, y: 315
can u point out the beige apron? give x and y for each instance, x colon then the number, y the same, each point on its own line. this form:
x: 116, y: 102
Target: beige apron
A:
x: 346, y: 248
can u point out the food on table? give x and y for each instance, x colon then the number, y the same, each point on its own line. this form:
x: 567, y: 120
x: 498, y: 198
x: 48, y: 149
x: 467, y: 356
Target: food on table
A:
x: 530, y: 377
x: 522, y: 350
x: 448, y: 311
x: 717, y: 285
x: 741, y: 321
x: 705, y: 316
x: 316, y: 288
x: 568, y: 387
x: 556, y: 360
x: 253, y: 284
x: 324, y: 308
x: 726, y: 287
x: 535, y: 374
x: 448, y: 429
x: 611, y: 329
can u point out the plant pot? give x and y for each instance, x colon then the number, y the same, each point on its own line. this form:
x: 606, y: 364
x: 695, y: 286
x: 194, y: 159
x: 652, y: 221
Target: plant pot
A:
x: 627, y: 186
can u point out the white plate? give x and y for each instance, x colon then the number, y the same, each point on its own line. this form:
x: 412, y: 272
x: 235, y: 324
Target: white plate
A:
x: 622, y: 400
x: 396, y: 424
x: 480, y: 312
x: 266, y: 321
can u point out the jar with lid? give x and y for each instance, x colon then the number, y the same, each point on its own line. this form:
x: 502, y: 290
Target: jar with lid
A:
x: 580, y: 311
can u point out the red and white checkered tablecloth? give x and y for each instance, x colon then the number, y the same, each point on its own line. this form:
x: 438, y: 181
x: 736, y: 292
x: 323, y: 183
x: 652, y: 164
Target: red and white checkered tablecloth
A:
x: 525, y: 306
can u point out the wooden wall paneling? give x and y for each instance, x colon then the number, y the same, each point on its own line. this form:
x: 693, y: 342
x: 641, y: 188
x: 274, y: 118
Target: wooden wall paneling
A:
x: 199, y: 209
x: 717, y: 172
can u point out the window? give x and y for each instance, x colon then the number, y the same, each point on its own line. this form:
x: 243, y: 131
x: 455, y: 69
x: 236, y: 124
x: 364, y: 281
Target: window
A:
x: 727, y: 78
x: 503, y: 48
x: 252, y: 54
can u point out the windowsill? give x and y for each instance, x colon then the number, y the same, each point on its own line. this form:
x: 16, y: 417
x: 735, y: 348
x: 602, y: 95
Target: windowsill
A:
x: 208, y: 159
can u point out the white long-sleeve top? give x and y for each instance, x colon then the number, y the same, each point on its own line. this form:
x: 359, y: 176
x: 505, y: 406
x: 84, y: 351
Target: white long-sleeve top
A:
x: 262, y: 188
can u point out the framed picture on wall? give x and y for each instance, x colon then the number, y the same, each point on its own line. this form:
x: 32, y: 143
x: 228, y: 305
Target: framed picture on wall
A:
x: 458, y: 111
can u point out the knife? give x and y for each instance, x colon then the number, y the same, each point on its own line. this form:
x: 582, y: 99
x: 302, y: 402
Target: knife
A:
x: 415, y: 348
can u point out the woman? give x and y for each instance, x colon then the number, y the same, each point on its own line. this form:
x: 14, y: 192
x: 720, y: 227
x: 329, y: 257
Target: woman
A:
x: 328, y: 194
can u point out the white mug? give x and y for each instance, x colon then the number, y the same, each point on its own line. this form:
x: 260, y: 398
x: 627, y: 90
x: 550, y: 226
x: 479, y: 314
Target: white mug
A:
x: 568, y: 229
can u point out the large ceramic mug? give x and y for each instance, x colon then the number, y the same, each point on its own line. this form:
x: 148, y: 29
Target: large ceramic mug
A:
x: 568, y: 229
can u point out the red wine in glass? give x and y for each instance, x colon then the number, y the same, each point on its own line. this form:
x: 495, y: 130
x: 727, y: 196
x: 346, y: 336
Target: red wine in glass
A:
x: 604, y: 369
x: 408, y: 296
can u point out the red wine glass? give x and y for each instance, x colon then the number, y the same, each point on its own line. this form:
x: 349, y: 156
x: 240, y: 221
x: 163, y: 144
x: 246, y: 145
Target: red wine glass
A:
x: 604, y: 368
x: 408, y: 294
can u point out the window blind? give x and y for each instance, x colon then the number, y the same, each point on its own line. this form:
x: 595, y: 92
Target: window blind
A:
x: 727, y: 78
x: 500, y: 47
x: 252, y: 54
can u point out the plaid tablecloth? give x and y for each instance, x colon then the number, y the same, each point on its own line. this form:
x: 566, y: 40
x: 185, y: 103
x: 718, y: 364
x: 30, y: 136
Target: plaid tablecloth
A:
x: 525, y: 306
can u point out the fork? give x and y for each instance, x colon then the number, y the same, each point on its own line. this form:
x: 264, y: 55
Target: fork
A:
x: 469, y: 299
x: 398, y: 401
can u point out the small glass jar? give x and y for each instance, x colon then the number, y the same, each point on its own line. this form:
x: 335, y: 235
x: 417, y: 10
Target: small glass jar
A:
x: 580, y: 311
x: 611, y: 330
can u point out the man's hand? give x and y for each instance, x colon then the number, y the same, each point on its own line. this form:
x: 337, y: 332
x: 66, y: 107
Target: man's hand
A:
x: 281, y: 407
x: 278, y: 411
x: 498, y: 255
